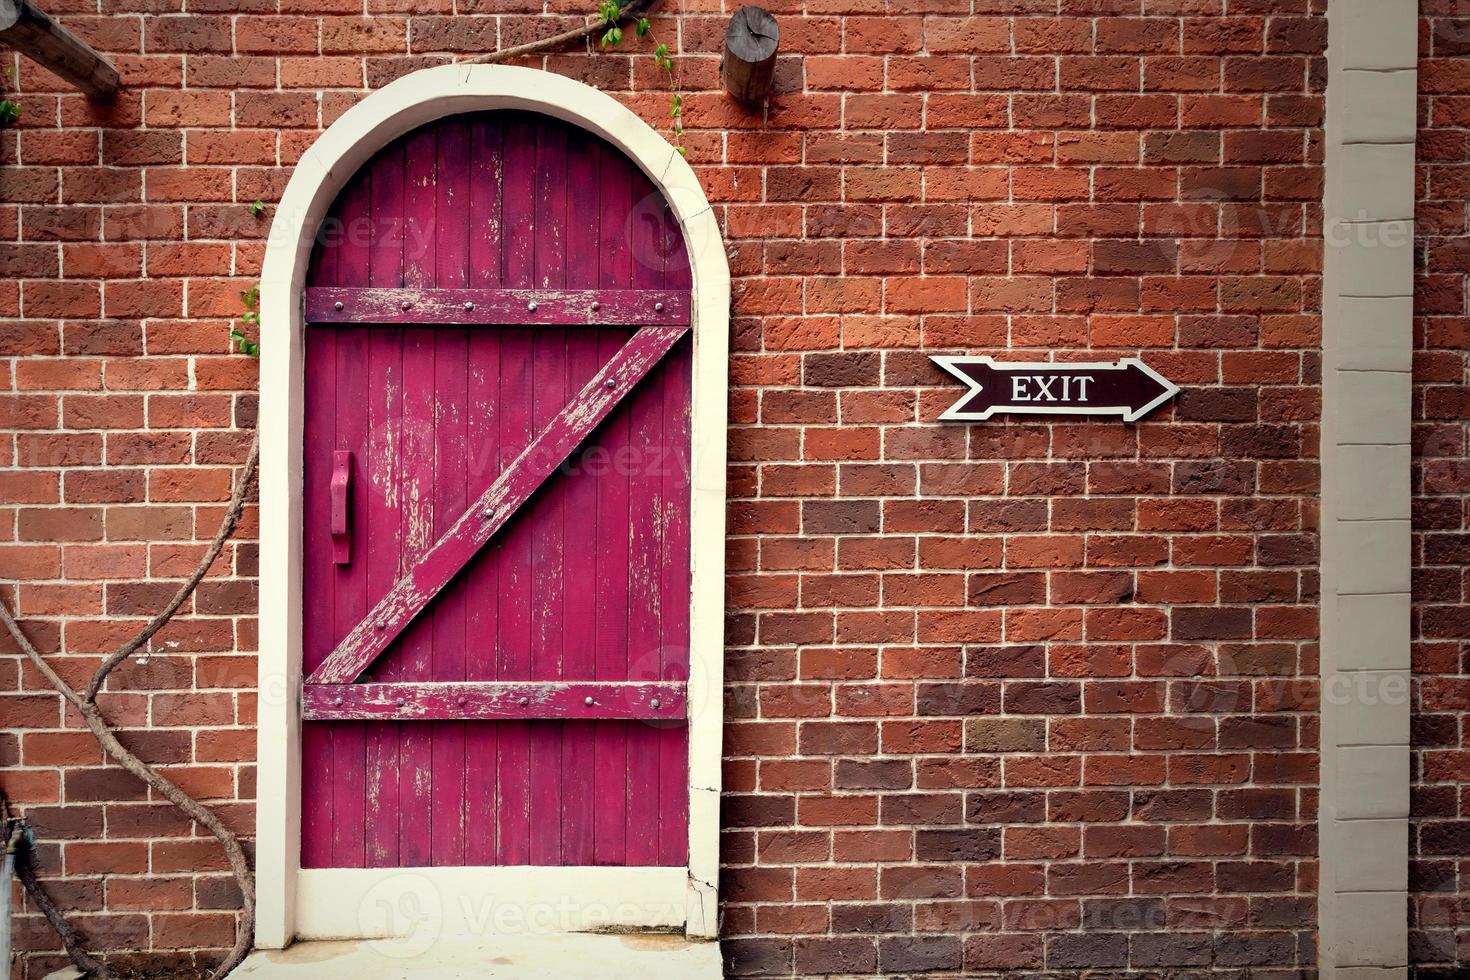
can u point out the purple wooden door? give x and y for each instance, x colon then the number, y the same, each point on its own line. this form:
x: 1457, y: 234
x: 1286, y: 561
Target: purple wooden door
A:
x: 496, y: 607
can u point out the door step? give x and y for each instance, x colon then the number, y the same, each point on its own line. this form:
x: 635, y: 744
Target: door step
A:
x: 562, y: 956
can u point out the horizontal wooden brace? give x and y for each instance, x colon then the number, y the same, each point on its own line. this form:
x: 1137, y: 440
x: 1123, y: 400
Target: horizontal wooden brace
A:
x: 499, y: 307
x: 493, y: 701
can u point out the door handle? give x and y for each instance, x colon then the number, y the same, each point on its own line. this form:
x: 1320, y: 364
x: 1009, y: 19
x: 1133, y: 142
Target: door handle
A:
x: 341, y: 493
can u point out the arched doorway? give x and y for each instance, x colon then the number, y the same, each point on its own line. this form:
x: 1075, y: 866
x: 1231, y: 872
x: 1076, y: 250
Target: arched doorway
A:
x: 493, y: 420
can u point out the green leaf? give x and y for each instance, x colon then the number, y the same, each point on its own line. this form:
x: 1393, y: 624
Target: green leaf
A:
x: 244, y: 344
x: 681, y: 151
x: 257, y: 207
x: 644, y: 26
x: 661, y: 52
x: 9, y: 112
x: 614, y: 35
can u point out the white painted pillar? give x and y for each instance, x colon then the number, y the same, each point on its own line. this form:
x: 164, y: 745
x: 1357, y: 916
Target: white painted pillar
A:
x: 1366, y: 346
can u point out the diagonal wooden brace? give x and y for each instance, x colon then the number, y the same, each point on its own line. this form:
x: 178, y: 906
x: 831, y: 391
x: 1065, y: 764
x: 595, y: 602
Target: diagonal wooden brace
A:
x: 495, y: 507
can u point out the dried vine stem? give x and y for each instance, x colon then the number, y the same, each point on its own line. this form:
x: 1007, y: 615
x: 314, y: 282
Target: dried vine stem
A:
x: 102, y: 730
x: 226, y: 528
x: 634, y: 10
x: 71, y: 940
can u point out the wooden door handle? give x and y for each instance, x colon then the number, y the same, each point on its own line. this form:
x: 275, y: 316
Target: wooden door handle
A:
x: 341, y: 501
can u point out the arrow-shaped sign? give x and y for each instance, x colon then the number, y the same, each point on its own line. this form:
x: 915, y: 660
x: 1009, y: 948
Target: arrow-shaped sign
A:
x: 1129, y: 389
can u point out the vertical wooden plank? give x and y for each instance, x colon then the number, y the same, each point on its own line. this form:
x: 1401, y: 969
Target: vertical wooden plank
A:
x: 416, y: 450
x: 645, y: 537
x: 353, y: 345
x: 483, y: 422
x: 673, y: 843
x: 579, y: 631
x: 677, y: 385
x: 548, y: 610
x: 385, y: 473
x: 515, y: 400
x: 451, y: 470
x: 316, y: 619
x: 610, y: 781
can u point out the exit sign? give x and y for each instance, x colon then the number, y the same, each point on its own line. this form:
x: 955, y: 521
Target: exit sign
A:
x: 1129, y: 389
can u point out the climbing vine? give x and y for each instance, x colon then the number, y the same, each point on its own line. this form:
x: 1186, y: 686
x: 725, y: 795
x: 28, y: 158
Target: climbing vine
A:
x: 612, y: 14
x: 607, y: 25
x: 9, y: 108
x: 250, y: 318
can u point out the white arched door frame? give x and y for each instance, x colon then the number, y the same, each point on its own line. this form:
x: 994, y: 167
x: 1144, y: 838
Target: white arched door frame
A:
x: 371, y: 903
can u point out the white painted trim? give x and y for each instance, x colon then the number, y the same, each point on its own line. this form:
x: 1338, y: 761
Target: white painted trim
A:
x: 1367, y: 290
x: 384, y: 115
x: 418, y: 906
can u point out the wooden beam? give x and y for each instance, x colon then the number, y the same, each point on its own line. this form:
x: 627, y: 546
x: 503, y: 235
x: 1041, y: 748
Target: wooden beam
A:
x: 31, y: 31
x: 493, y: 701
x: 499, y: 307
x: 749, y: 62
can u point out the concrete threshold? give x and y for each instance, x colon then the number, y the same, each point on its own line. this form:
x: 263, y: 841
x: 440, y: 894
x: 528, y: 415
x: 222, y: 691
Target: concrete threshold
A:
x: 562, y: 956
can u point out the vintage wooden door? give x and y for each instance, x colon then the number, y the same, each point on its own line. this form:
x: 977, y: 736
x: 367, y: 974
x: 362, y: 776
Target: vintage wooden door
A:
x: 496, y: 508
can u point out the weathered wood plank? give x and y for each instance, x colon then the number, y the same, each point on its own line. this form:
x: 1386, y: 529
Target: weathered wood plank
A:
x: 578, y: 614
x: 481, y: 580
x: 317, y: 831
x: 548, y: 558
x: 498, y: 307
x: 385, y: 474
x: 493, y: 701
x: 645, y: 529
x: 514, y: 405
x: 350, y: 583
x: 451, y: 464
x: 610, y: 768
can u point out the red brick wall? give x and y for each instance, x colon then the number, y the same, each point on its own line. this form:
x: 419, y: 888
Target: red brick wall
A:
x: 1439, y: 939
x: 1006, y: 695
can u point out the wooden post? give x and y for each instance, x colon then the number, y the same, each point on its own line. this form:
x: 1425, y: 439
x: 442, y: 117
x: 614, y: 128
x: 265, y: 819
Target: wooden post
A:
x: 31, y: 31
x: 749, y: 61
